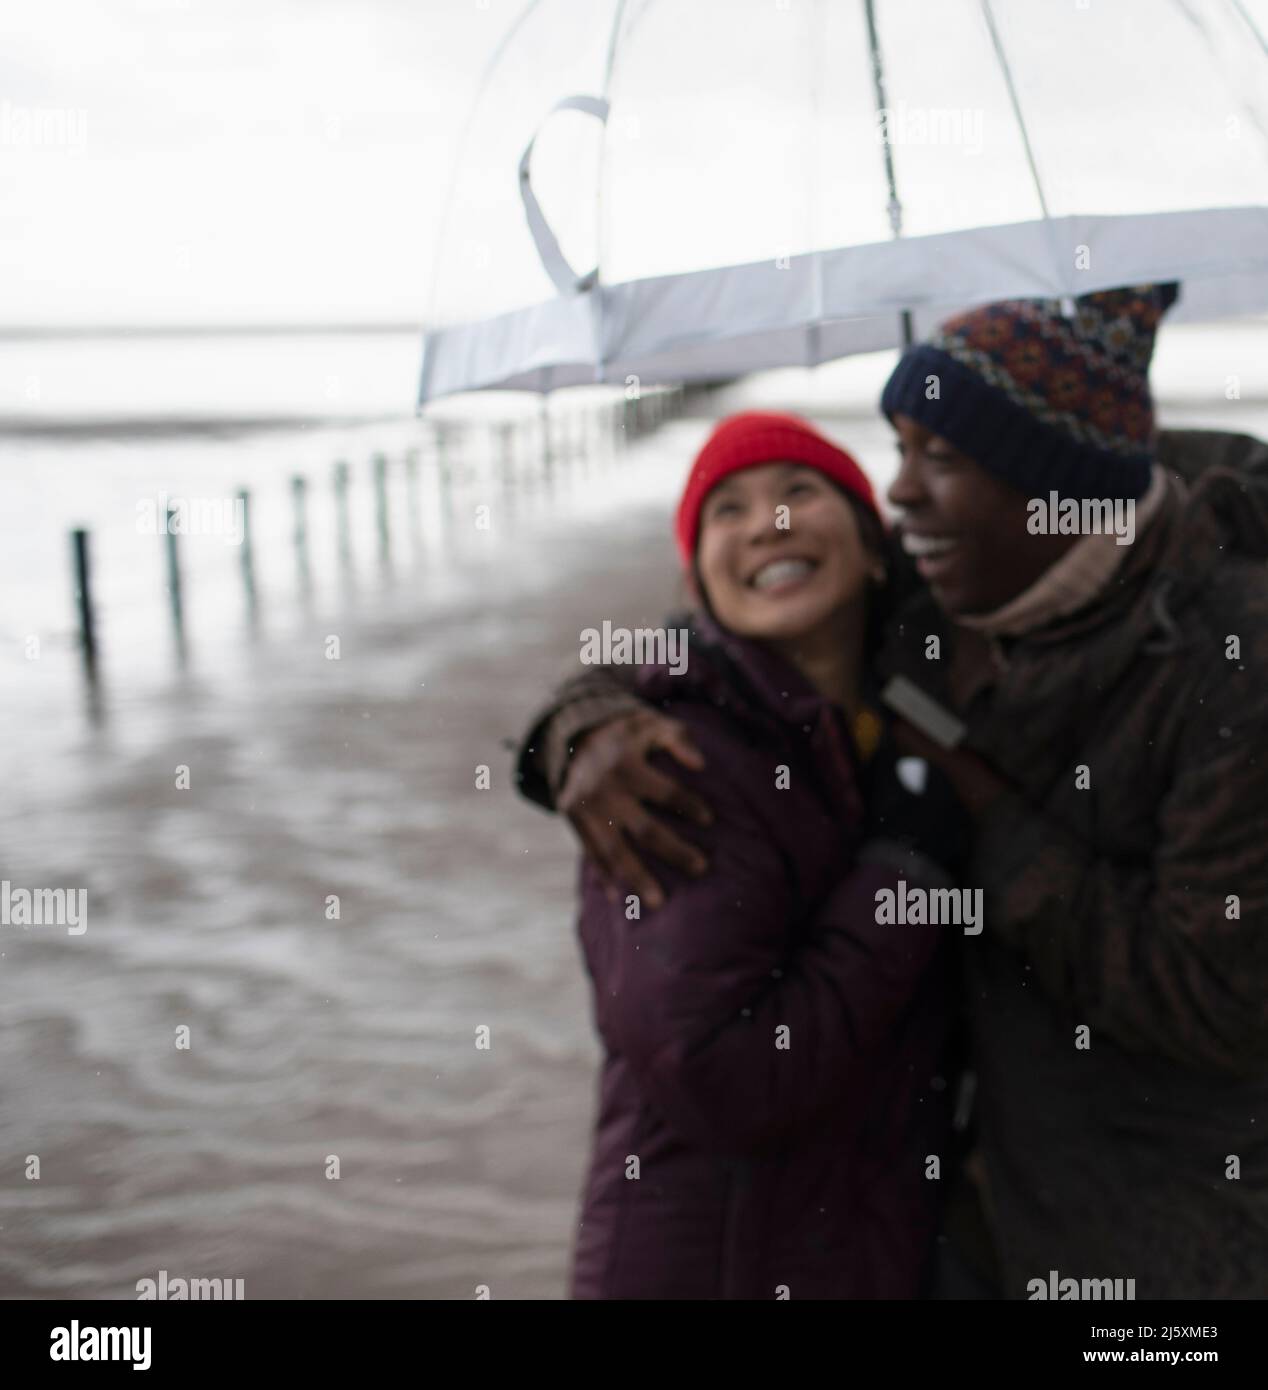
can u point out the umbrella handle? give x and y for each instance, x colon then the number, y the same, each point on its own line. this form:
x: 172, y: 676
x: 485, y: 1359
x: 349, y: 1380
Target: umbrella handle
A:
x: 565, y: 278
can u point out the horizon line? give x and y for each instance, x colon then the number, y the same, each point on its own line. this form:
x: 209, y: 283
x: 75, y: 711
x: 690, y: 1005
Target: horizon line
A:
x: 202, y: 330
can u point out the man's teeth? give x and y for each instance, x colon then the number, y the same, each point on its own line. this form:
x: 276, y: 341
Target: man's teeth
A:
x: 927, y: 545
x: 780, y: 572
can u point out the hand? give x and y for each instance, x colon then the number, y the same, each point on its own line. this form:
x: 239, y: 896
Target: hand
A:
x: 976, y: 784
x: 603, y: 795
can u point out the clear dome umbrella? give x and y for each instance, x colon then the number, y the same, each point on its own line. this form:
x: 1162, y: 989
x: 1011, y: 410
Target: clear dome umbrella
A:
x: 680, y: 190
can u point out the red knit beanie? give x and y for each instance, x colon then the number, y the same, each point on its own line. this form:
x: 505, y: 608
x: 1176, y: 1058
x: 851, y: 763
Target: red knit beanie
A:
x: 755, y: 437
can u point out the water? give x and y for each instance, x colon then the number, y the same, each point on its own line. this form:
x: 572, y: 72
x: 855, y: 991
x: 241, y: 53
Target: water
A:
x: 313, y: 1037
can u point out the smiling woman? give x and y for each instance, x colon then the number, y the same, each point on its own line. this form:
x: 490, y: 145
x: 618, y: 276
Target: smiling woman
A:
x: 773, y: 1041
x: 788, y: 552
x: 781, y: 559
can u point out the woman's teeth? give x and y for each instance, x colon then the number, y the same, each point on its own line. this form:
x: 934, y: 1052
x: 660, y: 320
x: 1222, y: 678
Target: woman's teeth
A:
x: 781, y: 572
x: 927, y: 545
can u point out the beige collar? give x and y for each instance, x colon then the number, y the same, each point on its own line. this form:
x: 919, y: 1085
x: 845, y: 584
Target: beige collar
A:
x: 1073, y: 581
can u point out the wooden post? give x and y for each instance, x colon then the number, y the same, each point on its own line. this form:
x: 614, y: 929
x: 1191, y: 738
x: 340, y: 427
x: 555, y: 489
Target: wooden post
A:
x: 83, y: 603
x: 505, y: 451
x: 174, y: 588
x: 380, y: 509
x: 299, y: 500
x: 248, y: 559
x: 341, y: 515
x: 585, y: 438
x: 445, y: 466
x: 547, y: 446
x: 411, y: 500
x: 504, y: 433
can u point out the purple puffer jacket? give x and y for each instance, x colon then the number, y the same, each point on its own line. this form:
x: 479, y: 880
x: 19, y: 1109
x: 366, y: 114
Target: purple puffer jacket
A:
x: 770, y: 1089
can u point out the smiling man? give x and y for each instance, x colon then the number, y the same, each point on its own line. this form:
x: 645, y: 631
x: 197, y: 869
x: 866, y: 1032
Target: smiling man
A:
x: 1116, y: 771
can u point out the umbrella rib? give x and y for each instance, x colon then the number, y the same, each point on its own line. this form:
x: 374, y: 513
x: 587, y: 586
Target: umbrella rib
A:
x: 1249, y: 23
x: 1202, y: 29
x: 878, y: 88
x: 895, y: 208
x: 460, y: 145
x: 1016, y: 105
x: 1240, y: 10
x: 817, y: 32
x: 618, y: 15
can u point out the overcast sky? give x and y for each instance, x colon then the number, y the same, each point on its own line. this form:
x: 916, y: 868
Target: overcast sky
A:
x: 229, y: 160
x: 282, y: 161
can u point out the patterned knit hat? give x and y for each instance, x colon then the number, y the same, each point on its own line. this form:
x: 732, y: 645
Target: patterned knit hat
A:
x: 1042, y: 401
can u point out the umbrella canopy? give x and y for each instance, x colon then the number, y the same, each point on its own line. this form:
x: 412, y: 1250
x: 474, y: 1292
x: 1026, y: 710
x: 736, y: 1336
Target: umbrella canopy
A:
x: 679, y: 190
